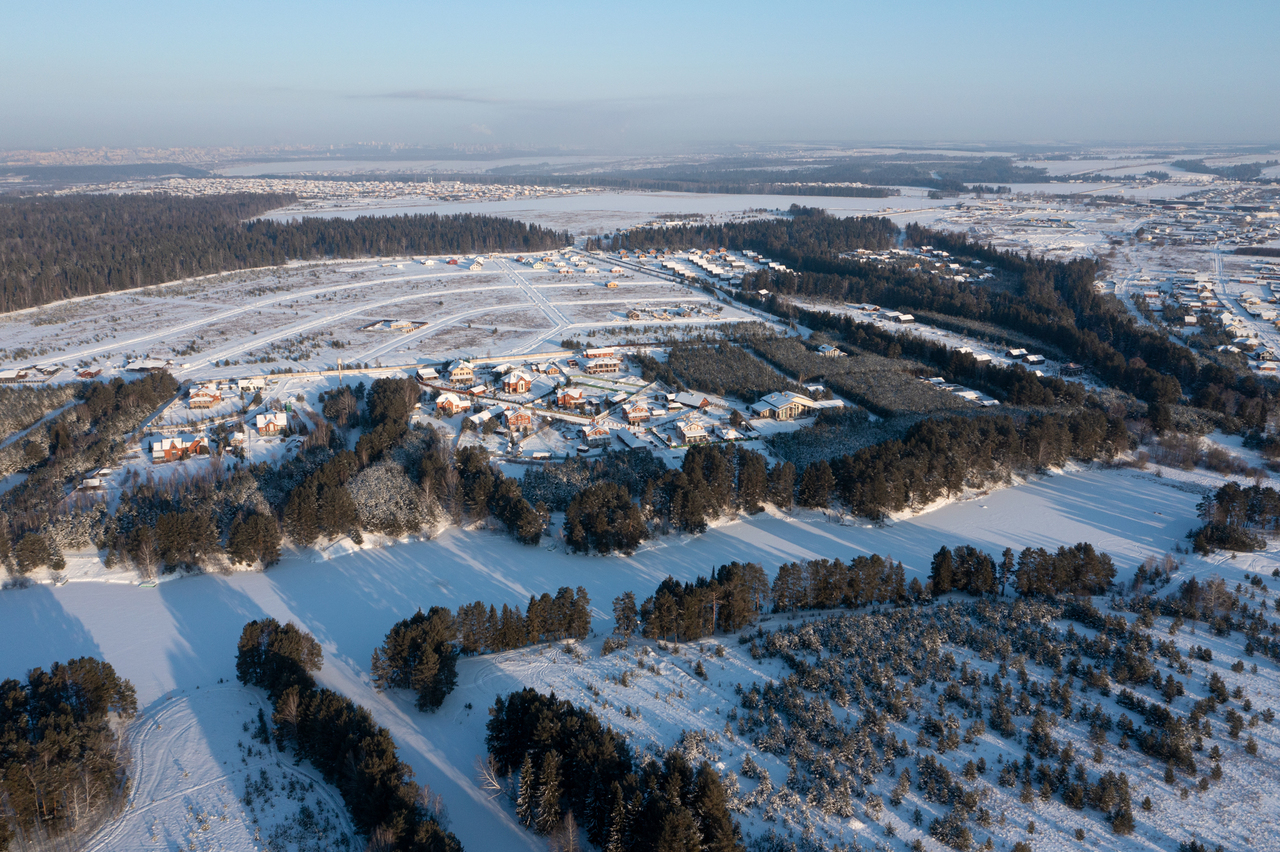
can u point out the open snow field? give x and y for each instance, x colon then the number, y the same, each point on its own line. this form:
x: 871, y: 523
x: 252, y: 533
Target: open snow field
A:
x: 308, y: 316
x: 182, y: 635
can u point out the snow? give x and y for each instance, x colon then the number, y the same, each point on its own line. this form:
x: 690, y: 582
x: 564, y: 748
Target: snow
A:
x: 182, y: 634
x: 610, y: 210
x: 193, y: 755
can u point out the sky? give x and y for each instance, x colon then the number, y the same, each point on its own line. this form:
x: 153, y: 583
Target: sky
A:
x: 635, y: 77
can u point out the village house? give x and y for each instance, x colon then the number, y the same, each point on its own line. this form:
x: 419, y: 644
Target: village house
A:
x: 638, y: 413
x: 690, y: 400
x: 271, y: 422
x: 426, y: 375
x: 782, y: 405
x: 598, y: 366
x: 89, y: 374
x: 461, y: 373
x: 179, y: 447
x: 551, y: 369
x: 11, y: 376
x: 519, y: 418
x: 692, y: 432
x: 598, y: 353
x: 449, y: 404
x: 205, y: 396
x: 251, y: 383
x: 517, y: 382
x: 595, y: 435
x: 569, y: 397
x: 829, y: 351
x: 633, y: 314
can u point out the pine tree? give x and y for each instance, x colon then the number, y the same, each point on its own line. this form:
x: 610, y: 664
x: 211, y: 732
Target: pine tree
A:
x: 719, y: 833
x: 547, y: 814
x: 940, y: 572
x: 525, y: 792
x: 624, y: 614
x: 782, y: 485
x: 618, y: 837
x: 815, y: 486
x: 301, y: 516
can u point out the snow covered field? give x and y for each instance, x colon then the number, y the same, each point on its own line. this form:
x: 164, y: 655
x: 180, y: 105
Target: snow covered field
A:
x: 308, y: 316
x: 182, y: 635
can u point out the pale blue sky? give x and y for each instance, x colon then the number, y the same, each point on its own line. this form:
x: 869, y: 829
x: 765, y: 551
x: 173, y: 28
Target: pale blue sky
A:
x: 635, y: 77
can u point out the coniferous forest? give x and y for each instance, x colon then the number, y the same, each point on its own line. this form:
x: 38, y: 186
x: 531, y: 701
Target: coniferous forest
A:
x: 62, y: 767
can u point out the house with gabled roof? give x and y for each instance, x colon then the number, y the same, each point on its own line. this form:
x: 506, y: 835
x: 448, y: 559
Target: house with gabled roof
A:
x: 461, y: 373
x: 449, y: 404
x: 569, y: 397
x: 517, y: 382
x: 271, y: 422
x: 692, y: 432
x: 175, y: 448
x: 595, y: 435
x: 782, y: 405
x: 205, y: 396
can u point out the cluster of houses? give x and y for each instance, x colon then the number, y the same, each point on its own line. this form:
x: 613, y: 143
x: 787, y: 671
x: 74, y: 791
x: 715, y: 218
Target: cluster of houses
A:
x: 37, y: 375
x: 925, y: 259
x: 566, y: 263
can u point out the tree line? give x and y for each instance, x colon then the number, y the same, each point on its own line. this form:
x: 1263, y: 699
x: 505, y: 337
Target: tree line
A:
x: 351, y: 751
x: 61, y: 764
x: 942, y: 456
x: 420, y: 653
x: 807, y: 231
x: 54, y: 248
x: 1035, y: 572
x: 573, y: 770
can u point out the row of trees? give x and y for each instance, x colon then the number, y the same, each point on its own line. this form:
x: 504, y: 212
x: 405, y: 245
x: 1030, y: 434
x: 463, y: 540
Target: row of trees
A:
x: 54, y: 248
x: 340, y: 738
x: 808, y: 231
x: 1035, y: 572
x: 420, y: 653
x: 730, y: 599
x: 943, y: 456
x: 573, y: 770
x: 61, y: 764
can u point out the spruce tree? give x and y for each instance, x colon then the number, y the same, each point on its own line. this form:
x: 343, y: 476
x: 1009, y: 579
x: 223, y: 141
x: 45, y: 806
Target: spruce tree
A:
x: 525, y: 792
x: 547, y: 814
x: 301, y: 516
